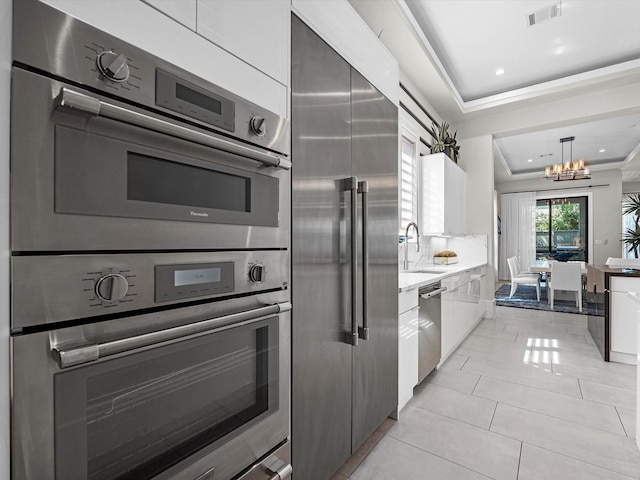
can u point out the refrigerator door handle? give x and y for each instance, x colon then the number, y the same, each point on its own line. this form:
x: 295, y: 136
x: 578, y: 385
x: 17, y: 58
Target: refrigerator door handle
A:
x: 363, y: 189
x: 351, y: 184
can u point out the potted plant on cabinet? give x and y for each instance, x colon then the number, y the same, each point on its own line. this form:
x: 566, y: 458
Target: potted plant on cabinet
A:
x: 444, y: 141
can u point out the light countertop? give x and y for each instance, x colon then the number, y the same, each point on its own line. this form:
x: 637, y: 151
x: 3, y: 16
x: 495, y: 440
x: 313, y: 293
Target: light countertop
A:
x: 410, y: 280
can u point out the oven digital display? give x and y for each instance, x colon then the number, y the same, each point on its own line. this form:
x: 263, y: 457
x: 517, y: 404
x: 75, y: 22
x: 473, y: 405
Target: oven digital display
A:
x: 177, y: 282
x: 199, y: 99
x: 196, y: 276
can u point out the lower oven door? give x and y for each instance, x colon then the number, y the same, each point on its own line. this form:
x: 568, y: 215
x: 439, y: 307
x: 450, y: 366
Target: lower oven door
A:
x: 206, y: 405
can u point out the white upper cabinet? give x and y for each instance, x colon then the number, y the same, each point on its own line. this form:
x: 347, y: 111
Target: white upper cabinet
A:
x: 257, y: 31
x: 443, y: 196
x: 167, y: 29
x: 182, y: 11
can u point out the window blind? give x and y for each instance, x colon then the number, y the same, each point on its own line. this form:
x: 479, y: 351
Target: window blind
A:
x: 408, y: 184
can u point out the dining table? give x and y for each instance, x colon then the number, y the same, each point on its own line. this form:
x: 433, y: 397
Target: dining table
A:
x: 544, y: 266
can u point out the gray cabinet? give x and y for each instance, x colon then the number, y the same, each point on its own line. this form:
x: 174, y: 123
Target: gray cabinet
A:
x: 342, y: 127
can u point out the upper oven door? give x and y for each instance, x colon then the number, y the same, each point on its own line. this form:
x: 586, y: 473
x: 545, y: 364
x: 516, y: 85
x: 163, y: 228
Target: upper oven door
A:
x: 126, y: 179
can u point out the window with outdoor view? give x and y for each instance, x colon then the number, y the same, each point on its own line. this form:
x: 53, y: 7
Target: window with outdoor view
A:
x: 561, y: 229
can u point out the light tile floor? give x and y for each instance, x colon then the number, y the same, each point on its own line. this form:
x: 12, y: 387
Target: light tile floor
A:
x: 525, y: 397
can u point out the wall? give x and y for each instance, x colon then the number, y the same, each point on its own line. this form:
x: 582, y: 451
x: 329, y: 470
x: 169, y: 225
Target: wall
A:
x: 606, y: 188
x: 415, y: 109
x: 416, y: 127
x: 631, y: 187
x: 5, y: 90
x: 476, y: 158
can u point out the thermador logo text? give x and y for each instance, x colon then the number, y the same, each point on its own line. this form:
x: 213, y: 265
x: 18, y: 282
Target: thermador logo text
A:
x: 199, y: 214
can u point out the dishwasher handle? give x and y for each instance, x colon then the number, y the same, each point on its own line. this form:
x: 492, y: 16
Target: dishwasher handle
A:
x: 433, y: 293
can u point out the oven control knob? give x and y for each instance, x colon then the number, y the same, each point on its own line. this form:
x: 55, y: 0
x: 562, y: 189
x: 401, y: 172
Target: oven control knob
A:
x: 113, y: 66
x: 258, y: 126
x: 112, y: 287
x: 257, y: 273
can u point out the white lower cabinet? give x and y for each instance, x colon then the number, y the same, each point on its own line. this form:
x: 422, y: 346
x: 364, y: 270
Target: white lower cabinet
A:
x: 461, y: 311
x: 449, y: 325
x: 461, y: 308
x: 622, y: 318
x: 407, y: 345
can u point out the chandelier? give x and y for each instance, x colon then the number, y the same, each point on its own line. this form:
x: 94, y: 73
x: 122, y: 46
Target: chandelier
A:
x: 567, y: 170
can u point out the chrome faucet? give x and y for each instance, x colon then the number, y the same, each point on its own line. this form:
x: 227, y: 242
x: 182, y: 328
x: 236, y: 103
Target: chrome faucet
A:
x: 406, y: 249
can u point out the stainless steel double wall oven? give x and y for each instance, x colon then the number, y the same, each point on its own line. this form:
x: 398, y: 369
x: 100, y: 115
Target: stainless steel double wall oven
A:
x: 150, y: 265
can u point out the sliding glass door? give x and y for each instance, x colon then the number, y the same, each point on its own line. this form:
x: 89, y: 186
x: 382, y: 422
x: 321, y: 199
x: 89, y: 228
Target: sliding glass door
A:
x: 561, y: 228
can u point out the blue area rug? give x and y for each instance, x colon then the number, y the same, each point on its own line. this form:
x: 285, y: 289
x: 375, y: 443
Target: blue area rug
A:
x: 525, y: 297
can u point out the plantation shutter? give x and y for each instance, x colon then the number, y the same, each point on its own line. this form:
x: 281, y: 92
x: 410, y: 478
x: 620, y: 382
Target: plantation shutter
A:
x: 408, y: 184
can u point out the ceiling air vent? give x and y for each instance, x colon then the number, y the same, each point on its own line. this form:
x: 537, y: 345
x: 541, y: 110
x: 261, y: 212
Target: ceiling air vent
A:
x: 546, y: 13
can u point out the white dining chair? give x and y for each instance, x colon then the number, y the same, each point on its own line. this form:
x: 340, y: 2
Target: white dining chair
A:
x: 521, y: 278
x: 565, y: 276
x: 616, y: 262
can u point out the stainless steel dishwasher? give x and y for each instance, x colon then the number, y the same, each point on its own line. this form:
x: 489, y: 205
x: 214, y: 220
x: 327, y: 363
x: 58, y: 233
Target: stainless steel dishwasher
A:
x: 429, y: 348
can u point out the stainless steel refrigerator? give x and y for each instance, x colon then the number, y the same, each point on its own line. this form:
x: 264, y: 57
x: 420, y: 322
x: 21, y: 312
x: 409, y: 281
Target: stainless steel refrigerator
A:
x: 344, y: 257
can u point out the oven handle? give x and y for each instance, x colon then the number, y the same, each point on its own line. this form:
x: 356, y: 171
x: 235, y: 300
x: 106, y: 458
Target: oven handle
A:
x: 94, y: 106
x: 88, y: 353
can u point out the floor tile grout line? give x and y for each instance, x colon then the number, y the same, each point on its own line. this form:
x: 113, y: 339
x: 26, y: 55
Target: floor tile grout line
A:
x: 507, y: 362
x: 556, y: 393
x: 476, y: 385
x: 622, y: 423
x: 580, y: 387
x: 552, y: 416
x: 578, y: 459
x: 633, y: 390
x: 563, y: 419
x: 524, y: 384
x: 495, y: 409
x: 519, y: 461
x: 457, y: 419
x: 464, y: 363
x: 473, y: 334
x: 441, y: 457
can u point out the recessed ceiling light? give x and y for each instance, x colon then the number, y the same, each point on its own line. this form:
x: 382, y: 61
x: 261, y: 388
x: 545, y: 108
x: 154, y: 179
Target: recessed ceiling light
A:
x: 602, y: 150
x: 500, y: 71
x: 530, y: 160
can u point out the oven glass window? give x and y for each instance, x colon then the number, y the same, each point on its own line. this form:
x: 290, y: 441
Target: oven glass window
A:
x: 152, y: 179
x: 138, y: 415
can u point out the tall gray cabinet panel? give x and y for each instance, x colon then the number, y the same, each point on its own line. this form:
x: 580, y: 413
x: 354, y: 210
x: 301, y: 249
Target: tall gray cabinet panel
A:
x: 341, y: 128
x: 374, y: 147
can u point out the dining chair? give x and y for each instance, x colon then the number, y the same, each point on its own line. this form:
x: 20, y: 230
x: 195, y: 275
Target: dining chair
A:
x: 565, y: 276
x: 521, y: 278
x: 616, y: 262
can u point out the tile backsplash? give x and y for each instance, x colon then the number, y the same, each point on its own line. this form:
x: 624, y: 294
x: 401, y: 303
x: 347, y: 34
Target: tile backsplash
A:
x: 471, y: 249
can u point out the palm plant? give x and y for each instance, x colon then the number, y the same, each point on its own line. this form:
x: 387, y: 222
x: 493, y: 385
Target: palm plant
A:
x: 631, y: 236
